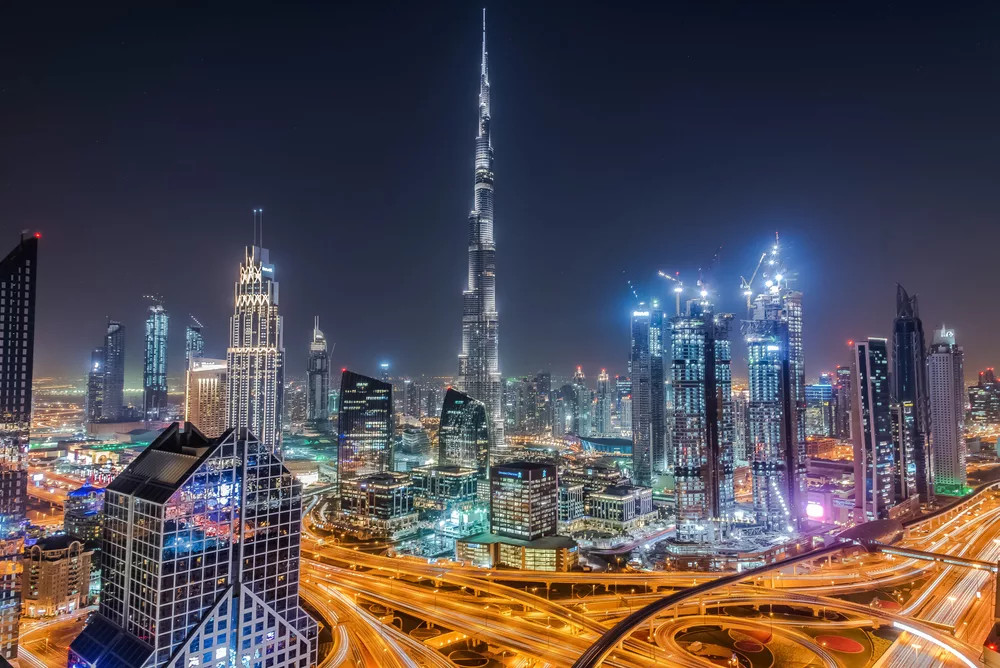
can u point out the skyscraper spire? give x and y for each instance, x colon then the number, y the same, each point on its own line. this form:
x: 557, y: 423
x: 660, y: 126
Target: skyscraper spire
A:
x: 478, y: 363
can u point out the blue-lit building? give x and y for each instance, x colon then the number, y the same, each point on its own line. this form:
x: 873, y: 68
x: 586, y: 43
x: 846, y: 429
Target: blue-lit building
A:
x: 464, y: 435
x: 154, y: 374
x: 366, y: 427
x: 200, y: 561
x: 821, y: 408
x: 703, y: 422
x: 82, y: 516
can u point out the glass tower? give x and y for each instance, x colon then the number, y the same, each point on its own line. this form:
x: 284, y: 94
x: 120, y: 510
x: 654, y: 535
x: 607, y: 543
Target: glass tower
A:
x: 18, y: 275
x: 909, y: 386
x: 194, y: 343
x: 646, y: 362
x: 318, y: 379
x: 95, y: 386
x: 366, y: 427
x: 703, y: 422
x: 464, y: 435
x: 602, y: 411
x: 256, y: 358
x: 200, y: 560
x: 154, y: 375
x: 947, y: 406
x: 479, y: 361
x: 875, y: 463
x: 114, y: 372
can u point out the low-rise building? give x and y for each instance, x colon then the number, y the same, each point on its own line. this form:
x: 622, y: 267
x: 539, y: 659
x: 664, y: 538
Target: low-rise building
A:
x: 620, y: 508
x: 381, y: 503
x: 444, y: 487
x: 56, y: 576
x: 550, y: 553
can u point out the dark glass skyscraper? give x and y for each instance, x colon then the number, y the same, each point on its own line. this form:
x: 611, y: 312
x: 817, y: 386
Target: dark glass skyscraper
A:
x: 194, y: 343
x: 200, y: 560
x: 464, y: 437
x: 318, y: 380
x: 875, y: 463
x: 365, y: 422
x: 701, y: 371
x: 154, y: 374
x: 646, y: 362
x: 95, y: 386
x: 18, y: 277
x: 114, y: 372
x: 909, y: 385
x: 479, y: 361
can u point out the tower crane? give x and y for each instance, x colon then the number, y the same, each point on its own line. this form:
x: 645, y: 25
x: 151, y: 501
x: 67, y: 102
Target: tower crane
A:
x: 678, y: 289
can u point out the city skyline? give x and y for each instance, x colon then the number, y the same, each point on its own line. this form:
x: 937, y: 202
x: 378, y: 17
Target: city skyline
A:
x: 314, y: 217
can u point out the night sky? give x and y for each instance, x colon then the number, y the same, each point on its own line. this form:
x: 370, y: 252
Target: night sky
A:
x: 627, y: 140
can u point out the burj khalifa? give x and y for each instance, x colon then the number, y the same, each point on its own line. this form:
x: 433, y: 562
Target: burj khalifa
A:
x: 479, y: 361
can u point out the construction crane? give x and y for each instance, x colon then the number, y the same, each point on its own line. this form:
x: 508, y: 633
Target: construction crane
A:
x: 746, y: 285
x: 678, y: 289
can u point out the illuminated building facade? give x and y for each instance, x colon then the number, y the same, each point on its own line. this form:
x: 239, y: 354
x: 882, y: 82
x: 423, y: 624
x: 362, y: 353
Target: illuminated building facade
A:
x: 154, y: 374
x: 463, y: 435
x: 382, y: 502
x: 213, y: 526
x: 821, y: 408
x: 703, y: 422
x: 318, y: 380
x: 106, y: 380
x: 524, y: 500
x: 56, y: 576
x: 205, y: 396
x: 845, y: 392
x: 256, y: 359
x: 646, y: 363
x: 984, y: 401
x: 910, y: 391
x: 602, y: 405
x: 18, y: 276
x: 365, y: 422
x: 82, y: 516
x: 946, y: 380
x: 772, y: 415
x: 479, y: 361
x: 194, y: 343
x: 875, y: 465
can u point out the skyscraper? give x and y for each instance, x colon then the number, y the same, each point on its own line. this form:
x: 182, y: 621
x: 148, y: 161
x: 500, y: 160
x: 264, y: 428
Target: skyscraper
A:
x: 194, y: 342
x: 18, y: 278
x: 602, y: 411
x: 909, y: 386
x: 583, y: 412
x: 256, y: 358
x: 366, y: 427
x: 318, y: 381
x: 876, y: 466
x: 479, y: 361
x: 821, y: 407
x: 205, y: 396
x: 773, y: 414
x: 211, y: 530
x: 646, y: 360
x: 463, y: 436
x: 95, y: 386
x: 703, y: 421
x: 524, y: 500
x: 984, y: 401
x: 845, y: 392
x: 945, y: 366
x: 154, y: 374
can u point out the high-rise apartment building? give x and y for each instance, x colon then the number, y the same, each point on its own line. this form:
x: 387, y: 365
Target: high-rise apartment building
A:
x: 318, y: 380
x: 648, y: 424
x: 479, y: 361
x: 256, y: 358
x: 18, y: 278
x: 844, y: 392
x: 194, y: 342
x: 878, y: 469
x: 603, y: 405
x: 154, y: 374
x: 773, y: 414
x: 623, y: 388
x: 703, y: 421
x: 366, y: 429
x: 205, y: 396
x: 200, y: 560
x: 909, y: 388
x: 82, y: 517
x: 946, y: 382
x: 95, y: 386
x: 524, y: 500
x: 114, y: 372
x: 741, y: 427
x: 583, y: 412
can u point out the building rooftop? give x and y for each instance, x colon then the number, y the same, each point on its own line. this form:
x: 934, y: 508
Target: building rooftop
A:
x: 620, y: 491
x: 163, y: 466
x: 86, y: 490
x: 524, y: 465
x: 447, y: 469
x: 58, y: 542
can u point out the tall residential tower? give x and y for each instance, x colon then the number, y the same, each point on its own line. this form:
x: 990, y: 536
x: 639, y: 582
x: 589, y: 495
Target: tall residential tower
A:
x: 318, y: 381
x: 909, y: 389
x: 154, y: 374
x: 479, y: 361
x: 945, y: 366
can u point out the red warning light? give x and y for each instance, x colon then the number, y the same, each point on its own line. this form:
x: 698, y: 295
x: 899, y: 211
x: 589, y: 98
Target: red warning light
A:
x: 343, y: 369
x: 850, y: 342
x: 38, y: 235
